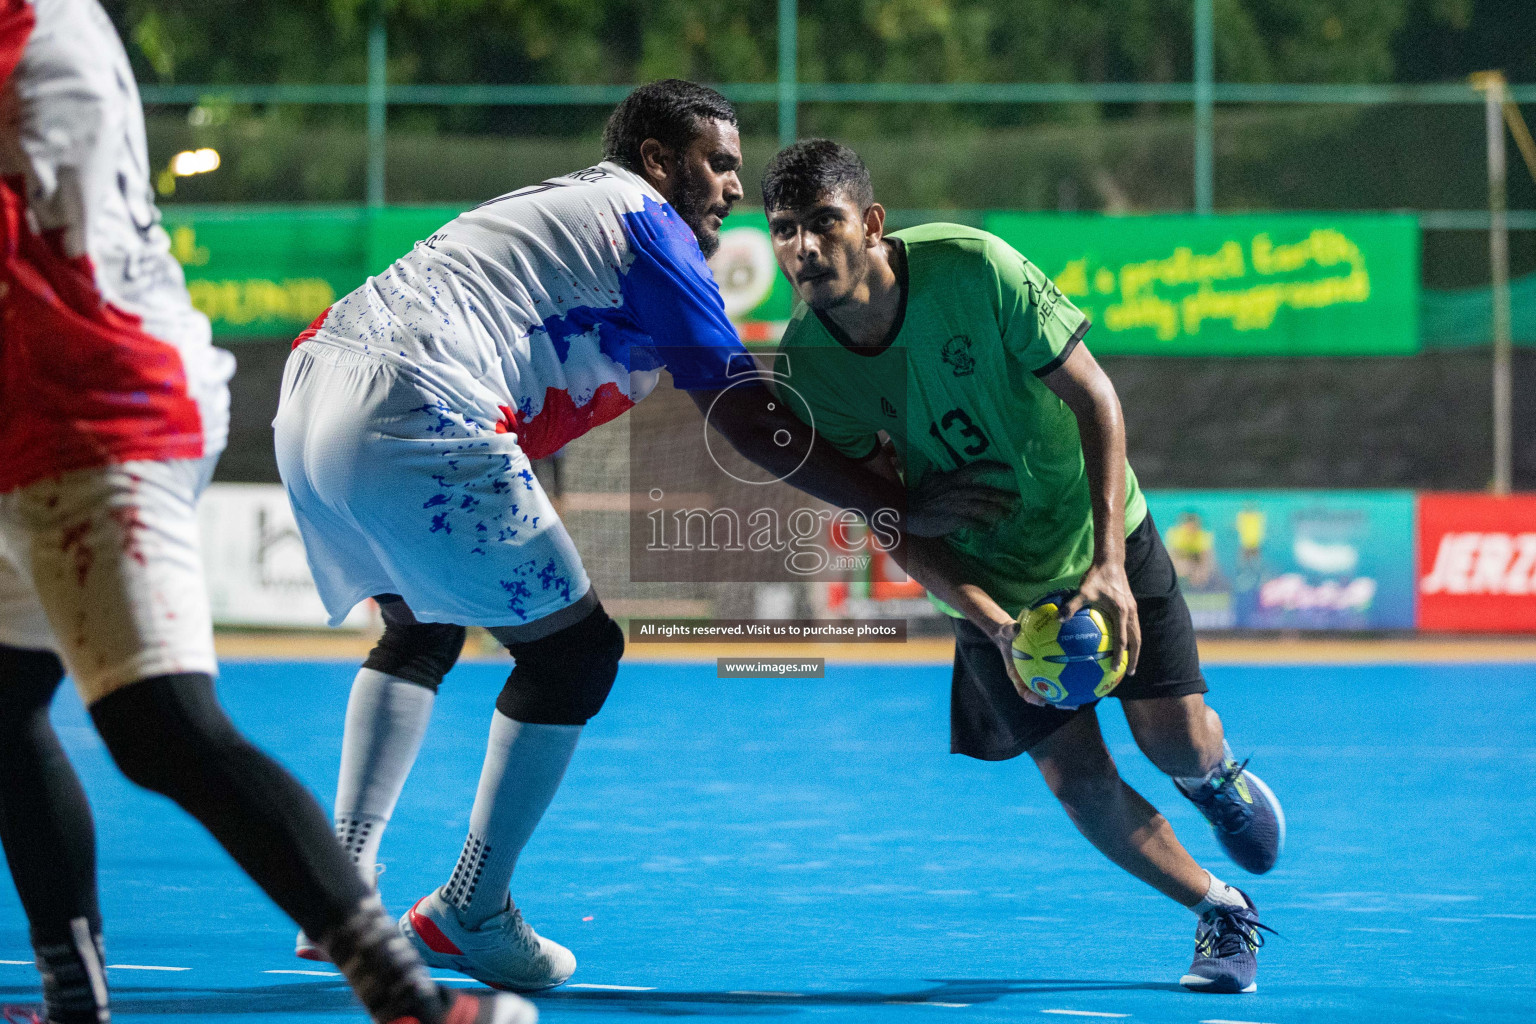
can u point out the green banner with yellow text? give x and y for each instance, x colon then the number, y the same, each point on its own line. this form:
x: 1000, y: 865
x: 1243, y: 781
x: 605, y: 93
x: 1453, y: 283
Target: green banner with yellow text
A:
x: 1231, y: 285
x: 1270, y: 285
x: 269, y: 271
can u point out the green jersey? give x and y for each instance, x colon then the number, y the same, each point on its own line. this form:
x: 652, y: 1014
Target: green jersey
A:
x: 959, y: 381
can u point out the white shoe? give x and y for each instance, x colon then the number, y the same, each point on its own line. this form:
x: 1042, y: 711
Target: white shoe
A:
x: 306, y: 948
x: 504, y: 952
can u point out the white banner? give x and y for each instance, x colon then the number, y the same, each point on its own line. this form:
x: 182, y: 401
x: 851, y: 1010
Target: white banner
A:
x: 254, y: 562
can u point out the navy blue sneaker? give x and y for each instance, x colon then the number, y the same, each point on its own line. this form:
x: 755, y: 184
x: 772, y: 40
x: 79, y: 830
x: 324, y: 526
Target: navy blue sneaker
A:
x: 1243, y: 812
x: 1227, y: 942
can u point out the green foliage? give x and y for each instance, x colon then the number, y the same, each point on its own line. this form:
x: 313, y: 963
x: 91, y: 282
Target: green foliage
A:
x: 605, y: 41
x: 965, y: 156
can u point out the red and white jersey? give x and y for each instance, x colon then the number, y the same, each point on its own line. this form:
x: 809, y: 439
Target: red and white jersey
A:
x: 103, y: 358
x: 549, y: 310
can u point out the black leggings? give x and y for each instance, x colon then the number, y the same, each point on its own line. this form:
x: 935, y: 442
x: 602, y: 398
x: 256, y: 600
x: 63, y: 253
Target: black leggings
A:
x: 45, y: 821
x: 169, y: 735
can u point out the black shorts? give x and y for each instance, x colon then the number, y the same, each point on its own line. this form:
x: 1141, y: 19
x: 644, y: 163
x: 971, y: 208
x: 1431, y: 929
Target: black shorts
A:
x: 989, y: 720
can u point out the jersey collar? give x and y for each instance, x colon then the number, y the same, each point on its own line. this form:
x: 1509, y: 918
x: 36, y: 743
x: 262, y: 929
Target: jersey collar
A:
x: 625, y: 174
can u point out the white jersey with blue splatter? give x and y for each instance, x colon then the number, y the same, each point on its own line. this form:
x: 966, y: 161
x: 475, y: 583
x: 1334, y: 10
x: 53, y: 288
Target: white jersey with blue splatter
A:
x: 547, y: 311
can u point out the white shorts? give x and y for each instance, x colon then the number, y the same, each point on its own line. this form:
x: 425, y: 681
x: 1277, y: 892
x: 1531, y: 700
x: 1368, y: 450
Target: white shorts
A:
x: 103, y: 567
x: 395, y: 492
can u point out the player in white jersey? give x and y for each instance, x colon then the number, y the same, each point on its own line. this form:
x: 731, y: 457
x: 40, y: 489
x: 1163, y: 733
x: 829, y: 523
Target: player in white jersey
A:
x: 113, y: 410
x: 409, y: 413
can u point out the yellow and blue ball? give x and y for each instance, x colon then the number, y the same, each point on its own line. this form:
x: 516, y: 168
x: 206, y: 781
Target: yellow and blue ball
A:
x: 1069, y: 663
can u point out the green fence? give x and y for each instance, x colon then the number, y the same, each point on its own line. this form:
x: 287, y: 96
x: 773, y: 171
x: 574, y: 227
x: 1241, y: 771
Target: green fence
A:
x: 793, y: 97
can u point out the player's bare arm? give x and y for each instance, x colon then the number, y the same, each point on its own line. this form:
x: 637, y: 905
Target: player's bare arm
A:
x: 930, y: 562
x: 750, y: 423
x: 1085, y: 388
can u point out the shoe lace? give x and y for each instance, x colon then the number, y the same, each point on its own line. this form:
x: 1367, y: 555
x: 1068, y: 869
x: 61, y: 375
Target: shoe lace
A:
x: 519, y: 930
x: 1230, y: 930
x: 1223, y: 797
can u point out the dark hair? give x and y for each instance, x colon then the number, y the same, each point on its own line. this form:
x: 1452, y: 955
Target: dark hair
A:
x: 668, y: 111
x: 811, y: 169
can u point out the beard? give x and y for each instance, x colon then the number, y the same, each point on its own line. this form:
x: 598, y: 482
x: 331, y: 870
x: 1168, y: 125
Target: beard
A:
x: 692, y: 202
x: 858, y: 260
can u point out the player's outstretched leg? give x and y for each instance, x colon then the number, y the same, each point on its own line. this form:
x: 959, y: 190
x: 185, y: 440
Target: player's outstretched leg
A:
x: 50, y: 842
x: 387, y: 715
x: 1183, y: 737
x: 471, y: 924
x: 170, y: 735
x: 1078, y: 767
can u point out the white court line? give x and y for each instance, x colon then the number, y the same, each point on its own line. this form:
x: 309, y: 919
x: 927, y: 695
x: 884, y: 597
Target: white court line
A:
x: 1085, y: 1013
x: 1219, y: 1020
x: 615, y: 988
x: 920, y: 1002
x: 18, y: 961
x: 780, y: 995
x: 314, y: 974
x: 456, y: 981
x: 143, y: 967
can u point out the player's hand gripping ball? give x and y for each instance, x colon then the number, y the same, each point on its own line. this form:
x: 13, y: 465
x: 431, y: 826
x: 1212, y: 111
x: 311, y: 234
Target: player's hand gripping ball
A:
x: 1066, y: 663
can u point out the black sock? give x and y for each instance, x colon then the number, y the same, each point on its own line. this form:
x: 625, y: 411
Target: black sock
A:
x: 50, y: 843
x: 170, y: 735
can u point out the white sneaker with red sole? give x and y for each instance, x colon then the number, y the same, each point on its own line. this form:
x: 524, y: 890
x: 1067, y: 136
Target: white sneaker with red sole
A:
x: 503, y: 952
x: 306, y: 948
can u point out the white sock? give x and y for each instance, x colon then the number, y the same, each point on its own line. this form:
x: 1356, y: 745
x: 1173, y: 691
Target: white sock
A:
x: 1218, y: 894
x: 386, y: 720
x: 1196, y: 781
x: 523, y: 767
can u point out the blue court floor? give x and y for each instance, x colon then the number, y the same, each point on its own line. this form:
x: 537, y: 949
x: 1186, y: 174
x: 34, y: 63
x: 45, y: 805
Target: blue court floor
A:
x: 808, y: 850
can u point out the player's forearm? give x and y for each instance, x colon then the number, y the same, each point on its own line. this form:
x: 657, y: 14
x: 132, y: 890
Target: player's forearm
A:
x: 1101, y: 426
x: 929, y: 561
x: 825, y: 472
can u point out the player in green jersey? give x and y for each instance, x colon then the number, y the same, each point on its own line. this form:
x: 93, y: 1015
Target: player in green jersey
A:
x: 938, y: 353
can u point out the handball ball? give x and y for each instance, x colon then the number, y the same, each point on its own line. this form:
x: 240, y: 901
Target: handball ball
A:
x: 1067, y: 663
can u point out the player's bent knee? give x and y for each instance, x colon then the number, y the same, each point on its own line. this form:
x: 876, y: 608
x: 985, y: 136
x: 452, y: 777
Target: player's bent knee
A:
x: 564, y: 678
x: 418, y: 652
x: 168, y: 732
x: 28, y: 680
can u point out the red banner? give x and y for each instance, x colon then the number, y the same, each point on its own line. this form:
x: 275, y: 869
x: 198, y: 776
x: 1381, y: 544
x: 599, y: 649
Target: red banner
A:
x: 1477, y: 563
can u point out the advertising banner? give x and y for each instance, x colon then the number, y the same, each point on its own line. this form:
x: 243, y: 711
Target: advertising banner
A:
x: 1270, y: 285
x: 254, y: 562
x: 268, y: 272
x: 1234, y: 285
x: 1477, y: 563
x: 1291, y: 559
x: 757, y: 297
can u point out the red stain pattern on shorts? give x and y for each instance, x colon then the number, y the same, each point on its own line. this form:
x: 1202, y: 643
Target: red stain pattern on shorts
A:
x: 130, y: 524
x: 74, y: 544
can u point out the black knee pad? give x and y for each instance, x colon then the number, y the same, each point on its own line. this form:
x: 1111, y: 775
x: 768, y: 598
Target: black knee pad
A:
x: 564, y: 678
x: 165, y: 733
x: 418, y: 652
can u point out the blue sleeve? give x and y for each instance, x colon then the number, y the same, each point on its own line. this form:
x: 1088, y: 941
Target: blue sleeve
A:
x: 673, y: 296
